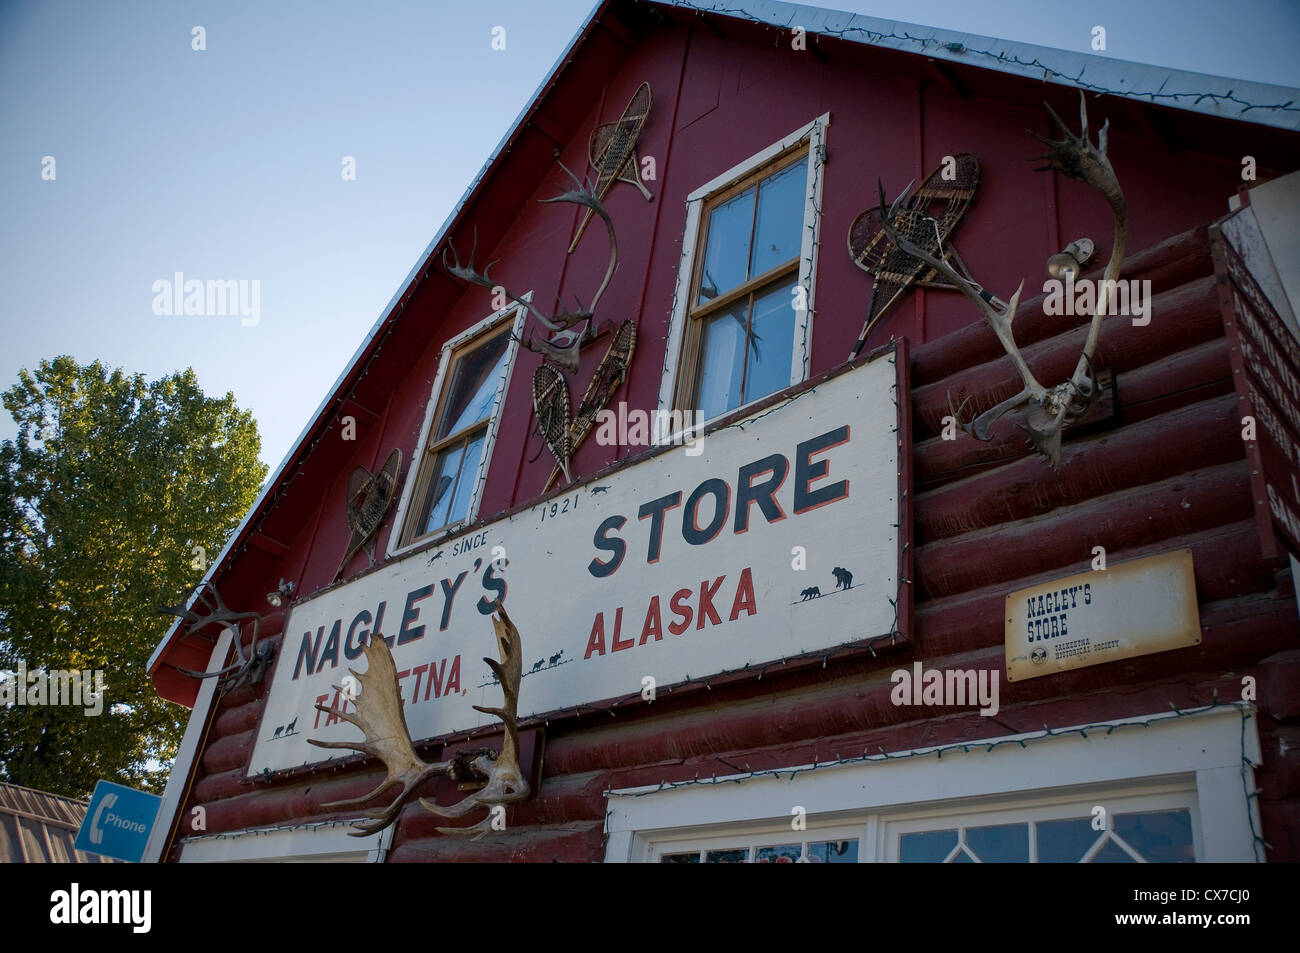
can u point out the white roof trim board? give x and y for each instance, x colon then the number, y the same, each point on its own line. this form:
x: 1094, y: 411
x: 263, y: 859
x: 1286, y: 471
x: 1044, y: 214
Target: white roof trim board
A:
x: 1260, y: 103
x: 1241, y: 100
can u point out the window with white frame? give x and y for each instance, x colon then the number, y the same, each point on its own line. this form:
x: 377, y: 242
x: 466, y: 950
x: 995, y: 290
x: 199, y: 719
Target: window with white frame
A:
x: 446, y: 477
x: 1172, y: 792
x: 1109, y: 825
x: 1139, y: 825
x: 741, y: 321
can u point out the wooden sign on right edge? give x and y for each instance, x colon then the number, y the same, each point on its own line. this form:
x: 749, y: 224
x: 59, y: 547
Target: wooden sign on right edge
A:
x: 1135, y: 608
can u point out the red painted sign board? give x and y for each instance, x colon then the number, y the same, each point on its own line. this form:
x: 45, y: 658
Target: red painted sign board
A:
x: 1265, y: 359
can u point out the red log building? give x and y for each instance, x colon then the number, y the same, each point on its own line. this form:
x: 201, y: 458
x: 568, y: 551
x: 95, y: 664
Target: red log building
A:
x: 774, y: 733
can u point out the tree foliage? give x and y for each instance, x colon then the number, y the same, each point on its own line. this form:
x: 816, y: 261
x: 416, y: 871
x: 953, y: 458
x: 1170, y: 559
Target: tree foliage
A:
x: 105, y: 491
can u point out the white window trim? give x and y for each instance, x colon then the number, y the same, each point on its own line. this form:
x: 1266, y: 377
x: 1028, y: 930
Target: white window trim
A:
x: 758, y: 836
x: 395, y: 547
x: 815, y: 133
x: 1204, y: 747
x: 195, y: 730
x: 329, y: 842
x: 878, y: 834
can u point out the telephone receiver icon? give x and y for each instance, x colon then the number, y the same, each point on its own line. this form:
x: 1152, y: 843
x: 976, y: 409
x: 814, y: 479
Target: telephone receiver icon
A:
x: 97, y: 832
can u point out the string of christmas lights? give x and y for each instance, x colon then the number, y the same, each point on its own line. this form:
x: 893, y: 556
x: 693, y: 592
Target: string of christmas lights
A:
x: 264, y: 831
x: 924, y: 43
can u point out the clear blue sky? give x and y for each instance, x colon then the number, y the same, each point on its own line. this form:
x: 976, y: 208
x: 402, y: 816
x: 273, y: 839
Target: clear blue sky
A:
x: 225, y: 163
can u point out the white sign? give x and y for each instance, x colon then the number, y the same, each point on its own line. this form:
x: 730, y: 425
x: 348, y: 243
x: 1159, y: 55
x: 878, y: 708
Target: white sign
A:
x: 780, y: 538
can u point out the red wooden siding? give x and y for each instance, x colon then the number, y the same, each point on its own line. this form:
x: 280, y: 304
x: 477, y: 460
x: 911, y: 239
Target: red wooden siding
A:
x: 1168, y: 473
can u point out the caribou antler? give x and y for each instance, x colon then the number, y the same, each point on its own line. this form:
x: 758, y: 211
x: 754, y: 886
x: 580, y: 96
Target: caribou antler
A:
x: 380, y: 717
x: 999, y: 320
x: 565, y: 353
x: 1049, y: 409
x: 207, y: 608
x: 1077, y: 158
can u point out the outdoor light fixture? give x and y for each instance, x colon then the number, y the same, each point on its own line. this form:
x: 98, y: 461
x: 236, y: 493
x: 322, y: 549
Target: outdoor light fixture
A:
x: 1066, y: 265
x: 281, y: 594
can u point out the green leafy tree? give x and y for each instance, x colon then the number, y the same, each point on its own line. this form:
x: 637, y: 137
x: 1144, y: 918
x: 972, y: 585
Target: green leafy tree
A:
x: 108, y: 487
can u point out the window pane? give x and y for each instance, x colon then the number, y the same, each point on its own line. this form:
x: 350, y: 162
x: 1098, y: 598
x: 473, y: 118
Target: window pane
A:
x: 728, y: 856
x: 833, y: 852
x: 438, y: 500
x: 928, y: 847
x: 1159, y: 836
x: 1112, y: 853
x: 476, y: 378
x: 783, y: 854
x: 1003, y: 843
x: 1064, y: 842
x: 778, y: 230
x: 692, y: 858
x: 770, y: 343
x: 721, y: 362
x: 727, y: 252
x: 468, y: 474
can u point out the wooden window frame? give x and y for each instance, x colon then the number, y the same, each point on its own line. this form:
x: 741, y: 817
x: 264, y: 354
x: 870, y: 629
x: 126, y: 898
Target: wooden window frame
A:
x: 508, y: 320
x: 681, y: 357
x: 697, y: 313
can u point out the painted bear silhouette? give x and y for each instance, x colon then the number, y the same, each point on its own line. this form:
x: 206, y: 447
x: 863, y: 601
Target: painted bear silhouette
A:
x: 812, y: 592
x: 540, y: 663
x: 843, y: 578
x: 555, y: 659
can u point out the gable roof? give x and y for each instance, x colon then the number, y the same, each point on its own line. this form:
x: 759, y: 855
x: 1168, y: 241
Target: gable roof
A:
x: 1241, y: 101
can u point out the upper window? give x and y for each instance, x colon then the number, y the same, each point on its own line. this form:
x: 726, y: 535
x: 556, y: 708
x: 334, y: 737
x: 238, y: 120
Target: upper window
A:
x: 741, y: 331
x: 742, y: 317
x: 459, y: 431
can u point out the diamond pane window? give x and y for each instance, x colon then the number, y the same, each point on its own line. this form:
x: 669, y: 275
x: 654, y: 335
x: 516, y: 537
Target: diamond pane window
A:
x: 1144, y: 837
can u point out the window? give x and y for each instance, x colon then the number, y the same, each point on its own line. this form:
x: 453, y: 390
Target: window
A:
x: 742, y: 315
x: 459, y: 429
x: 1172, y: 787
x: 1156, y: 826
x: 837, y: 845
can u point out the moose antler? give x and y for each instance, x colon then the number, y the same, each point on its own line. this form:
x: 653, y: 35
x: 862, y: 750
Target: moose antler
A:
x: 1049, y: 409
x: 565, y: 354
x: 207, y: 608
x: 506, y: 781
x: 380, y: 717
